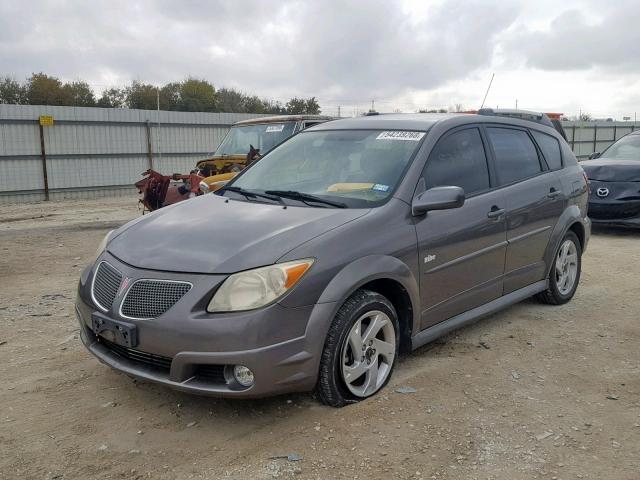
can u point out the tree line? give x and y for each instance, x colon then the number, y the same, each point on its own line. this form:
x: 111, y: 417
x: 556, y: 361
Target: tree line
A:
x: 189, y: 95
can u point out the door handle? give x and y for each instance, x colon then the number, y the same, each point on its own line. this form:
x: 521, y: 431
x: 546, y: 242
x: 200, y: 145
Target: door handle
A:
x: 495, y: 212
x: 553, y: 193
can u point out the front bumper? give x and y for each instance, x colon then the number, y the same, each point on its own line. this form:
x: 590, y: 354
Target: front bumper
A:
x: 189, y: 350
x: 619, y: 207
x: 605, y: 215
x: 623, y: 222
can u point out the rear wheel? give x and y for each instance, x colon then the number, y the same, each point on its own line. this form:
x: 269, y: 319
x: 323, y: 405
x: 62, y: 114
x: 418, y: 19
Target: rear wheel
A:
x: 565, y: 272
x: 360, y: 350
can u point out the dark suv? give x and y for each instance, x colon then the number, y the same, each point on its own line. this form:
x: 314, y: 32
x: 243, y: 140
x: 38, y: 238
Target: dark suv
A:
x: 351, y: 242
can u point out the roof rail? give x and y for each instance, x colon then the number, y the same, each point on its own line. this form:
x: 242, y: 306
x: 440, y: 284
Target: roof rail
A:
x: 536, y: 117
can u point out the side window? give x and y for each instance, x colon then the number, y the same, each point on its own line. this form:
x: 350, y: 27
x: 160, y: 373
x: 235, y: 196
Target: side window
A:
x: 458, y: 160
x: 516, y: 157
x: 550, y: 149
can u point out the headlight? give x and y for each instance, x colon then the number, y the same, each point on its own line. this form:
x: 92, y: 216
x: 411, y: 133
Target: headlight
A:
x: 103, y: 244
x: 204, y: 187
x: 256, y: 288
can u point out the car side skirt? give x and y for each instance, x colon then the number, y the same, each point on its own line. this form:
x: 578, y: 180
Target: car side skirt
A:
x: 436, y: 331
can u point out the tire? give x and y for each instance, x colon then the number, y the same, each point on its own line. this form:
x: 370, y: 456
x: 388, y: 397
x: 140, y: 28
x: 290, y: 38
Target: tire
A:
x: 558, y: 293
x: 379, y: 338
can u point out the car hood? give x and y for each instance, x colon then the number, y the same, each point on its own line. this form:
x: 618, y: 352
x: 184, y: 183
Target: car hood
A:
x: 610, y: 170
x: 209, y: 234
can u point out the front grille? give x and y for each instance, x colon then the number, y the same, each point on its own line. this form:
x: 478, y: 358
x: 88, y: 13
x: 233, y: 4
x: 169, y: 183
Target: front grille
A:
x: 151, y: 359
x: 211, y: 373
x: 610, y: 211
x: 105, y: 285
x: 151, y: 298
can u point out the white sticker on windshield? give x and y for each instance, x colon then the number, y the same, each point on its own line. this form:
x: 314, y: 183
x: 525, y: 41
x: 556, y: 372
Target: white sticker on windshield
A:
x: 398, y: 135
x: 274, y: 128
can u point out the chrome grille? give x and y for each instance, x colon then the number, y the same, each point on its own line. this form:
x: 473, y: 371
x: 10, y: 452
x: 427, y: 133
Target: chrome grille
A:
x: 151, y: 298
x: 105, y: 285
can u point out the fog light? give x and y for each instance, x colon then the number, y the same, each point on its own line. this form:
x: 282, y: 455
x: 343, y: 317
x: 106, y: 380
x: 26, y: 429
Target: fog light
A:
x: 243, y: 375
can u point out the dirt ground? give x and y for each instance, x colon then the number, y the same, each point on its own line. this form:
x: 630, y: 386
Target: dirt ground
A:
x: 533, y: 392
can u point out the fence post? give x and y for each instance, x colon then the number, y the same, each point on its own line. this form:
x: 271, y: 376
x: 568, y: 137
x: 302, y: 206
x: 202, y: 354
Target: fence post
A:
x: 149, y: 149
x: 43, y: 155
x: 595, y: 137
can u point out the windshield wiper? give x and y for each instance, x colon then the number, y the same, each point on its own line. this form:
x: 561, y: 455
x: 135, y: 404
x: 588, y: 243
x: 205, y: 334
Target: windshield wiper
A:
x: 248, y: 194
x: 304, y: 197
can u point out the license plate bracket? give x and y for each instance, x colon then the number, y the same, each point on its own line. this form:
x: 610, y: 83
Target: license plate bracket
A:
x: 115, y: 331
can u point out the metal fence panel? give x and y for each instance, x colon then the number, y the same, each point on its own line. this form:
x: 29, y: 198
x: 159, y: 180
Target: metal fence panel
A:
x: 20, y: 174
x: 92, y: 152
x: 588, y: 137
x: 20, y: 139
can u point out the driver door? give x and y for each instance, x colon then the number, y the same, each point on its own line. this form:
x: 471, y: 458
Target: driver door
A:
x: 461, y: 250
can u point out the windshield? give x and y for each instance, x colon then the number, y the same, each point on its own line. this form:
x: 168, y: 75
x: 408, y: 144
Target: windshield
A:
x: 263, y: 137
x: 358, y: 168
x: 627, y: 148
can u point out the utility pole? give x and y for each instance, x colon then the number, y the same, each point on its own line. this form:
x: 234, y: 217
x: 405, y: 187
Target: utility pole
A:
x: 338, y: 111
x: 516, y: 103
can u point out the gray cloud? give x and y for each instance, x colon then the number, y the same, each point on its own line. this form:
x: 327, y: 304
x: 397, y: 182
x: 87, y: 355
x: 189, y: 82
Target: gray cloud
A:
x: 349, y: 49
x: 574, y: 42
x: 344, y: 52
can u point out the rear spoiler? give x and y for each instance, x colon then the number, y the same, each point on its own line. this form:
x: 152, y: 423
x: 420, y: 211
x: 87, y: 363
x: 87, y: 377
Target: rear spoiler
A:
x: 557, y: 124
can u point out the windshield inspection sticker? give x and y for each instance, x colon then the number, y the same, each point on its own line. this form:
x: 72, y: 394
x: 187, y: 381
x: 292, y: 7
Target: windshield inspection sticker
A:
x: 380, y: 188
x: 274, y: 128
x: 396, y: 135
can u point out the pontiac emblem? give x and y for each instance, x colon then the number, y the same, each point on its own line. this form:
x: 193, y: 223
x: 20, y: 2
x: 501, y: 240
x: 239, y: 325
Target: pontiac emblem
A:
x: 123, y: 285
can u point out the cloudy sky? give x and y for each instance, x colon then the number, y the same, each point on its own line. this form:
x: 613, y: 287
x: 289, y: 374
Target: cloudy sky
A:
x: 553, y: 56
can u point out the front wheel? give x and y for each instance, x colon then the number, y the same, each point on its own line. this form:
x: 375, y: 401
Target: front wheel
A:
x: 360, y: 350
x: 565, y: 272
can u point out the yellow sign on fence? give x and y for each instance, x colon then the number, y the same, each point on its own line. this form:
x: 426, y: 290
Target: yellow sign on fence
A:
x: 46, y: 120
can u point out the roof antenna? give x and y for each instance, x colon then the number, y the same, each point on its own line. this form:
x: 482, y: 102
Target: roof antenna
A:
x: 488, y: 88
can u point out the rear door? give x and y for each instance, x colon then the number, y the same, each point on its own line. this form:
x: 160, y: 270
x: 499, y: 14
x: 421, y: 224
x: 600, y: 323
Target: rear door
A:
x: 534, y: 201
x: 461, y: 250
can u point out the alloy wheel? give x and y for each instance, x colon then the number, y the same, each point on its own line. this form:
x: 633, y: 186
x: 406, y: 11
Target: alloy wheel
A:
x: 368, y: 353
x: 566, y: 267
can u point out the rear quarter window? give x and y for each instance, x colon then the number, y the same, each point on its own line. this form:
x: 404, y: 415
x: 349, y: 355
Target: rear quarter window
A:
x: 550, y: 149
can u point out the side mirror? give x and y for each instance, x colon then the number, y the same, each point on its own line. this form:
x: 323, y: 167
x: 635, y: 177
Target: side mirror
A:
x: 437, y: 198
x: 594, y: 155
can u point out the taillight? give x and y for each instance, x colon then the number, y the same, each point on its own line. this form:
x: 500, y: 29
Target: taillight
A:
x: 586, y: 181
